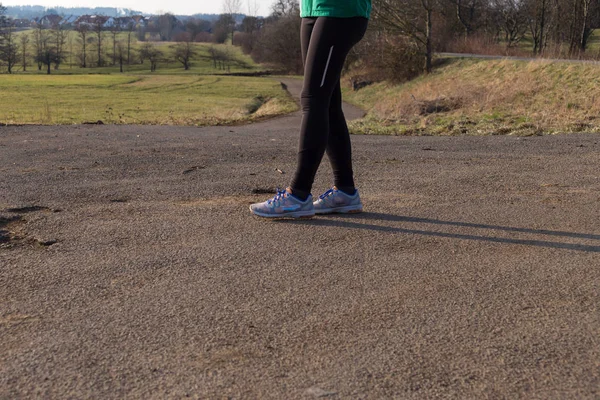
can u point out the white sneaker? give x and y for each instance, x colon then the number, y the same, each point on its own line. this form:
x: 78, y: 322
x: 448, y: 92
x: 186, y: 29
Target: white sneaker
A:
x: 336, y: 201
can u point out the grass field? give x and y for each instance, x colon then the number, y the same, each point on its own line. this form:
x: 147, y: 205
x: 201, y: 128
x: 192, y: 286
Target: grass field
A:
x: 483, y: 97
x: 139, y: 99
x: 201, y: 61
x: 203, y: 95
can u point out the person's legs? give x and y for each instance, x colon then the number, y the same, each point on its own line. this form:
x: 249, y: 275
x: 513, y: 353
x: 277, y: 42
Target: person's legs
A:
x: 325, y: 45
x: 339, y: 148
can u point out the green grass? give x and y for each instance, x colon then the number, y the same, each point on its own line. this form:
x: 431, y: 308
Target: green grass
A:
x: 484, y: 97
x: 203, y: 95
x: 139, y: 99
x: 201, y: 62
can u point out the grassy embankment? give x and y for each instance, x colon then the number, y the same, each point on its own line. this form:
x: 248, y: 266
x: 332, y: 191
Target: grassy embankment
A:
x: 483, y: 97
x: 200, y: 96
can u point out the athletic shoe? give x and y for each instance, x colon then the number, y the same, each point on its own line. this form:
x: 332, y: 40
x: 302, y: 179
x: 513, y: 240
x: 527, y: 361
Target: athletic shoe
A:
x: 336, y: 201
x: 284, y: 205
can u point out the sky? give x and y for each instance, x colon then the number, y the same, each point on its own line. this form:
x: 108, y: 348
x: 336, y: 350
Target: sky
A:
x: 182, y: 7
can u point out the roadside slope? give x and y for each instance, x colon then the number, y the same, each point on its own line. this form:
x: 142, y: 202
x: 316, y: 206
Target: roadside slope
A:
x: 483, y: 97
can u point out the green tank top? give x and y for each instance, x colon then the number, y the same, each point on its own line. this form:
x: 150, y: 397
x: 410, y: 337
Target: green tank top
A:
x: 335, y: 8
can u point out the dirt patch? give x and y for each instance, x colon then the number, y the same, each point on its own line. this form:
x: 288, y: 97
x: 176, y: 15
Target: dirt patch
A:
x: 15, y: 319
x: 11, y: 231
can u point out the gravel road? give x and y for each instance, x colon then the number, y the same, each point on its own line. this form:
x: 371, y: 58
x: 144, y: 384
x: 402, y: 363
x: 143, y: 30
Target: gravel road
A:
x: 131, y: 267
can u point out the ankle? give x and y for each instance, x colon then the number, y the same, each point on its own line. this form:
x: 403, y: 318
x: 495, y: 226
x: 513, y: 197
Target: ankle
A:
x: 349, y: 190
x: 299, y: 194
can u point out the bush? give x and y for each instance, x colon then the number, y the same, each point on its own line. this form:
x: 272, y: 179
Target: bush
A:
x: 203, y: 37
x: 279, y: 44
x: 182, y: 37
x: 380, y: 57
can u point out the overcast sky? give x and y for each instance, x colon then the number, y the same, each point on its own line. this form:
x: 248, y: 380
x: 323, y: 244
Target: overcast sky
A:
x: 184, y: 7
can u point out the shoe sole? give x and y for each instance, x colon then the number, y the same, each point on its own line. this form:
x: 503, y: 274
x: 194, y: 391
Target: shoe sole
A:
x: 299, y: 214
x: 340, y: 210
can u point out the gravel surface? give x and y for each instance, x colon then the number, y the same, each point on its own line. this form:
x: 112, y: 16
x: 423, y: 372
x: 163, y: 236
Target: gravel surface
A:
x: 131, y: 267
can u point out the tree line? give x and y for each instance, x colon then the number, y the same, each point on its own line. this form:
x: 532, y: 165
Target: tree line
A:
x: 403, y: 35
x: 93, y: 45
x: 402, y: 38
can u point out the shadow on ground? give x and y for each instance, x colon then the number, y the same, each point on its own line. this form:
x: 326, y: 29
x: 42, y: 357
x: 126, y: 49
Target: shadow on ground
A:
x: 360, y: 221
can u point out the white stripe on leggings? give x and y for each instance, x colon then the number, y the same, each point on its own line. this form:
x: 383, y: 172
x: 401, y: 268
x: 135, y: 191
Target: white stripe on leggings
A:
x: 326, y: 66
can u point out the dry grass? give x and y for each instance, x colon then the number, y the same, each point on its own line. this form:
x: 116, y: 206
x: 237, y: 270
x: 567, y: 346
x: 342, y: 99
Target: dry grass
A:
x: 486, y: 97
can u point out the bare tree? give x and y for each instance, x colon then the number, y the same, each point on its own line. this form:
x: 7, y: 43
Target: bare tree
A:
x: 121, y: 54
x: 39, y: 38
x: 151, y: 53
x: 410, y: 18
x: 2, y: 16
x: 513, y: 20
x: 114, y: 31
x: 232, y: 8
x: 538, y: 16
x: 184, y: 52
x: 223, y: 27
x: 59, y: 36
x: 285, y: 8
x: 24, y: 39
x: 45, y: 49
x: 82, y: 30
x: 253, y: 8
x: 279, y: 43
x: 130, y: 29
x: 98, y: 28
x: 166, y: 25
x: 9, y: 49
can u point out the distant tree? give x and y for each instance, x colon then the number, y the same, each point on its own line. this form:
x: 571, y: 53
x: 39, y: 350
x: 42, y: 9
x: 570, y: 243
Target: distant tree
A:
x: 513, y: 20
x: 223, y: 26
x: 166, y: 25
x: 39, y: 41
x: 221, y: 57
x: 409, y: 18
x: 141, y: 33
x: 59, y: 38
x: 253, y: 8
x: 98, y: 28
x: 151, y: 53
x: 279, y: 39
x: 46, y: 52
x: 121, y: 54
x: 197, y: 26
x: 285, y: 8
x: 2, y: 15
x: 82, y: 30
x: 130, y: 29
x: 249, y: 33
x: 184, y: 52
x: 9, y: 49
x: 232, y: 8
x: 114, y: 31
x: 24, y: 39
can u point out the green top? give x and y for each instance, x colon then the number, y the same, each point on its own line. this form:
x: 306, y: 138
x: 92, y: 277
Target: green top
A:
x: 335, y: 8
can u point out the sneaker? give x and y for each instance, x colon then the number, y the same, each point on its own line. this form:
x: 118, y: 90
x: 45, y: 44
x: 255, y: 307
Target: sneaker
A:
x: 336, y: 201
x: 284, y: 205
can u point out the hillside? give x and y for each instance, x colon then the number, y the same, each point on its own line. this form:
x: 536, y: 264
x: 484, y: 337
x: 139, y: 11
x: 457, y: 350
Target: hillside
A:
x: 485, y: 97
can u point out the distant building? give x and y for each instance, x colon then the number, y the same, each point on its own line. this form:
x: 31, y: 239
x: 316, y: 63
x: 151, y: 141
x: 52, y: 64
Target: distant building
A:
x: 69, y: 22
x: 50, y: 21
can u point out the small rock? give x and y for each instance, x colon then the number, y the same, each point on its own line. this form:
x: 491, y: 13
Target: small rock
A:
x: 318, y: 392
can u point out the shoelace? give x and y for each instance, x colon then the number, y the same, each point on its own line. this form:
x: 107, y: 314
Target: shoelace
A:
x: 327, y: 193
x: 280, y: 195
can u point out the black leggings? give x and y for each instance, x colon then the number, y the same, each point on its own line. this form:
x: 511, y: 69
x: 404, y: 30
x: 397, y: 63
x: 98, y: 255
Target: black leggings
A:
x: 325, y: 45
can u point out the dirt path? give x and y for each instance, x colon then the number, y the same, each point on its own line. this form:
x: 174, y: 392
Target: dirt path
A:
x: 131, y: 267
